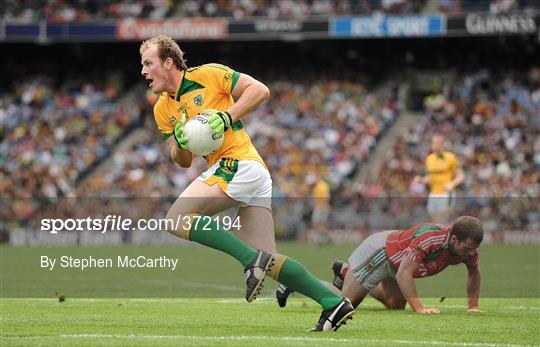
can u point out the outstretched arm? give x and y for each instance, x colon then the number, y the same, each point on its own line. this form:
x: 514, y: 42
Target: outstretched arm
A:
x: 405, y: 280
x: 474, y: 281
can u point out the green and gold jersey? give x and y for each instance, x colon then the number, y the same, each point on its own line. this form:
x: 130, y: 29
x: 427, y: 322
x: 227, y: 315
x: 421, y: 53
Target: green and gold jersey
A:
x: 441, y: 169
x: 200, y: 88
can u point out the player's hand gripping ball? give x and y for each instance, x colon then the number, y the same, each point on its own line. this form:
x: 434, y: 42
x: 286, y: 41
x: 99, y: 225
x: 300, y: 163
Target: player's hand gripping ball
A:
x: 179, y: 137
x: 219, y: 121
x: 201, y: 139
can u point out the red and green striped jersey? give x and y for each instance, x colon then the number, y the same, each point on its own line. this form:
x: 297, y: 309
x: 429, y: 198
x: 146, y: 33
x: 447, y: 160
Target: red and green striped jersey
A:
x: 426, y: 244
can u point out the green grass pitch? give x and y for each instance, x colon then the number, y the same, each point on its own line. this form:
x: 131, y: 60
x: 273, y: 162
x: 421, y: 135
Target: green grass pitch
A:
x: 201, y: 303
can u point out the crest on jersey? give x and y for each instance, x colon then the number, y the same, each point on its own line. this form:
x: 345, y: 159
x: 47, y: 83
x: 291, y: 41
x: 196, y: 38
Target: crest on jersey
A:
x: 198, y: 100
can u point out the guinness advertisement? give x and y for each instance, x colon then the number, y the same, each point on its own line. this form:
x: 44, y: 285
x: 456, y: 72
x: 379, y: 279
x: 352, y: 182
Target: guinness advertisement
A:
x: 493, y: 25
x: 278, y: 28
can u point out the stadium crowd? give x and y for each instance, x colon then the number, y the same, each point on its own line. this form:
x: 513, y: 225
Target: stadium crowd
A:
x: 325, y: 127
x: 491, y: 6
x: 311, y: 129
x: 302, y: 9
x: 491, y: 123
x: 52, y: 135
x: 68, y: 10
x: 86, y: 10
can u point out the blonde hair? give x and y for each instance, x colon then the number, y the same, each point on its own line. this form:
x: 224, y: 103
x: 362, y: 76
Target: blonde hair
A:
x: 167, y: 48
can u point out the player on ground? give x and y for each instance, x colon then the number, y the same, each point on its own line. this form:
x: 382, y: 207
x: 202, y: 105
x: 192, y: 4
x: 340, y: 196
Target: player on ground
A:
x: 386, y: 263
x: 444, y: 174
x: 237, y: 176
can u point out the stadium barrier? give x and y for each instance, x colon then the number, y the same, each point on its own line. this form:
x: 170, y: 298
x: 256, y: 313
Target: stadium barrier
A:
x: 377, y: 26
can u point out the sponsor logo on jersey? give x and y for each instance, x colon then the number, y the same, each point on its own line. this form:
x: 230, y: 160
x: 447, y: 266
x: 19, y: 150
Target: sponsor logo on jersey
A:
x: 201, y: 119
x: 182, y: 107
x: 182, y: 111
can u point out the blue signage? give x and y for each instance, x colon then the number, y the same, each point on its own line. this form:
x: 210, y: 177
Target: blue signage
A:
x: 391, y: 26
x: 22, y: 31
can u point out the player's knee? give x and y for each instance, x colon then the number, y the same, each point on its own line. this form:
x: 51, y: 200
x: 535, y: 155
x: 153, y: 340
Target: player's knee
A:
x: 270, y: 248
x: 395, y: 304
x: 179, y: 225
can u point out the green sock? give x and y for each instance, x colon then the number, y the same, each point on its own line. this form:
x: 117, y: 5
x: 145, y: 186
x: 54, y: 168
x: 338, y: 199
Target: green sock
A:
x: 295, y: 276
x: 207, y: 232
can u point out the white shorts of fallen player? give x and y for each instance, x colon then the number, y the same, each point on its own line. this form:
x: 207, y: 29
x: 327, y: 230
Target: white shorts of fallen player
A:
x: 369, y: 263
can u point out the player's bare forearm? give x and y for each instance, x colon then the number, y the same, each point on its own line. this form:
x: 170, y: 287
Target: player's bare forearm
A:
x: 405, y: 280
x: 251, y: 93
x: 474, y: 282
x: 460, y: 177
x: 179, y: 155
x: 408, y: 289
x: 422, y: 179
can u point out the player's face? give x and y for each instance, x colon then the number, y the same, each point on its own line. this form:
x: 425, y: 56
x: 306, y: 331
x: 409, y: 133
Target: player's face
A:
x: 437, y: 144
x: 464, y: 249
x: 153, y: 69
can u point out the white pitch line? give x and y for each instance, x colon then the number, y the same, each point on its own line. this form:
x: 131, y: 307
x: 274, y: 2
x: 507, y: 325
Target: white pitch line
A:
x: 172, y: 300
x: 292, y: 338
x: 519, y: 308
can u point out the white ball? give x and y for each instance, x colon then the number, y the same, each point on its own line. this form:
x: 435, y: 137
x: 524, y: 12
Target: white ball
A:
x: 200, y: 136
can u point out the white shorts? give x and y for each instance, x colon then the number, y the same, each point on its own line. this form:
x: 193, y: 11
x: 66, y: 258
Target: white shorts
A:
x: 440, y: 202
x: 246, y: 181
x: 369, y: 263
